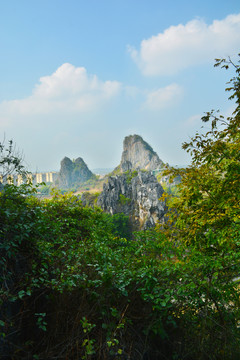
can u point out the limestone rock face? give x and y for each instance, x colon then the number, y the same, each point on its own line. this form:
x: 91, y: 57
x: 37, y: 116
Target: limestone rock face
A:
x: 138, y: 154
x: 73, y: 172
x: 136, y: 196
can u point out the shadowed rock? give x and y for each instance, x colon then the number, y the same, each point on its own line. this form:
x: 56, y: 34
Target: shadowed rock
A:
x: 73, y: 172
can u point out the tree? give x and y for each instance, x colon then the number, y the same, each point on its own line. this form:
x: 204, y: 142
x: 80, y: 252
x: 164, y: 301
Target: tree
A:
x: 11, y: 161
x: 210, y: 195
x: 205, y: 228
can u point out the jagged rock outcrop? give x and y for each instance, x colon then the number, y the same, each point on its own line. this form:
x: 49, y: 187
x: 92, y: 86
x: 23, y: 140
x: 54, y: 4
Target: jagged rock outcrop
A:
x: 137, y: 195
x: 138, y: 154
x: 73, y: 173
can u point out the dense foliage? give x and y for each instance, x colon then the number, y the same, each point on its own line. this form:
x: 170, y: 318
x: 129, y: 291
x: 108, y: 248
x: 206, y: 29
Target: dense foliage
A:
x: 66, y: 275
x: 75, y: 285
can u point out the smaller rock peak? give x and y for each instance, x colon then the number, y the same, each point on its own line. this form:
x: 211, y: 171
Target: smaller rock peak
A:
x: 79, y: 160
x: 73, y: 172
x: 66, y: 160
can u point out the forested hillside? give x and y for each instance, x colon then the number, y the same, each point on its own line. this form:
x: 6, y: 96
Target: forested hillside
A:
x: 75, y: 284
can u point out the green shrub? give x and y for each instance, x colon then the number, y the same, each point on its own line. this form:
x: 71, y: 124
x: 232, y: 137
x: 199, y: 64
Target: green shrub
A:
x: 124, y: 200
x: 130, y: 175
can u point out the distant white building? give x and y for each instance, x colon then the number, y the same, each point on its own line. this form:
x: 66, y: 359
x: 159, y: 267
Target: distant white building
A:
x: 37, y: 178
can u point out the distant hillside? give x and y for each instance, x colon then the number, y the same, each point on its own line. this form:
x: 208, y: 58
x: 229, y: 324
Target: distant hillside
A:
x: 102, y: 171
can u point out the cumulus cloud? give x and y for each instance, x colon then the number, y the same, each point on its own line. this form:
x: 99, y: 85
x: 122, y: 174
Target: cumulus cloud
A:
x: 163, y: 97
x: 193, y: 120
x: 68, y: 89
x: 181, y: 46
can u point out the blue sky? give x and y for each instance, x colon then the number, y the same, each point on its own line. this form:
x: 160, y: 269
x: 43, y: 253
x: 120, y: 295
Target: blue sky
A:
x: 76, y: 77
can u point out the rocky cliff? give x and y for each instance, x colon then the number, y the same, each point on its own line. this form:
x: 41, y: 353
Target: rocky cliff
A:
x: 138, y: 154
x: 73, y: 173
x: 135, y: 194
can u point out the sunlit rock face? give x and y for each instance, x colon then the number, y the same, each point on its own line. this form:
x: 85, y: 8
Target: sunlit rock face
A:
x: 137, y: 195
x: 138, y: 154
x: 73, y: 172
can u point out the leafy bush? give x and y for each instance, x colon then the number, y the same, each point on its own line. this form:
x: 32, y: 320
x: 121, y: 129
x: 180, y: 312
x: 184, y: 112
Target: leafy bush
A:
x: 124, y: 200
x: 121, y: 226
x: 130, y: 175
x: 70, y: 256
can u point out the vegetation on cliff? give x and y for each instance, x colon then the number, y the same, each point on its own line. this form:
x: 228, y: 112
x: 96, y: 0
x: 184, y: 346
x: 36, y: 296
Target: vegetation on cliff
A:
x: 74, y: 287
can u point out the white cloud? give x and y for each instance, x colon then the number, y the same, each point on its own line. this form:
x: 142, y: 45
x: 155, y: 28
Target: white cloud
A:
x: 163, y: 97
x: 132, y: 91
x: 193, y: 120
x: 69, y: 89
x: 181, y: 46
